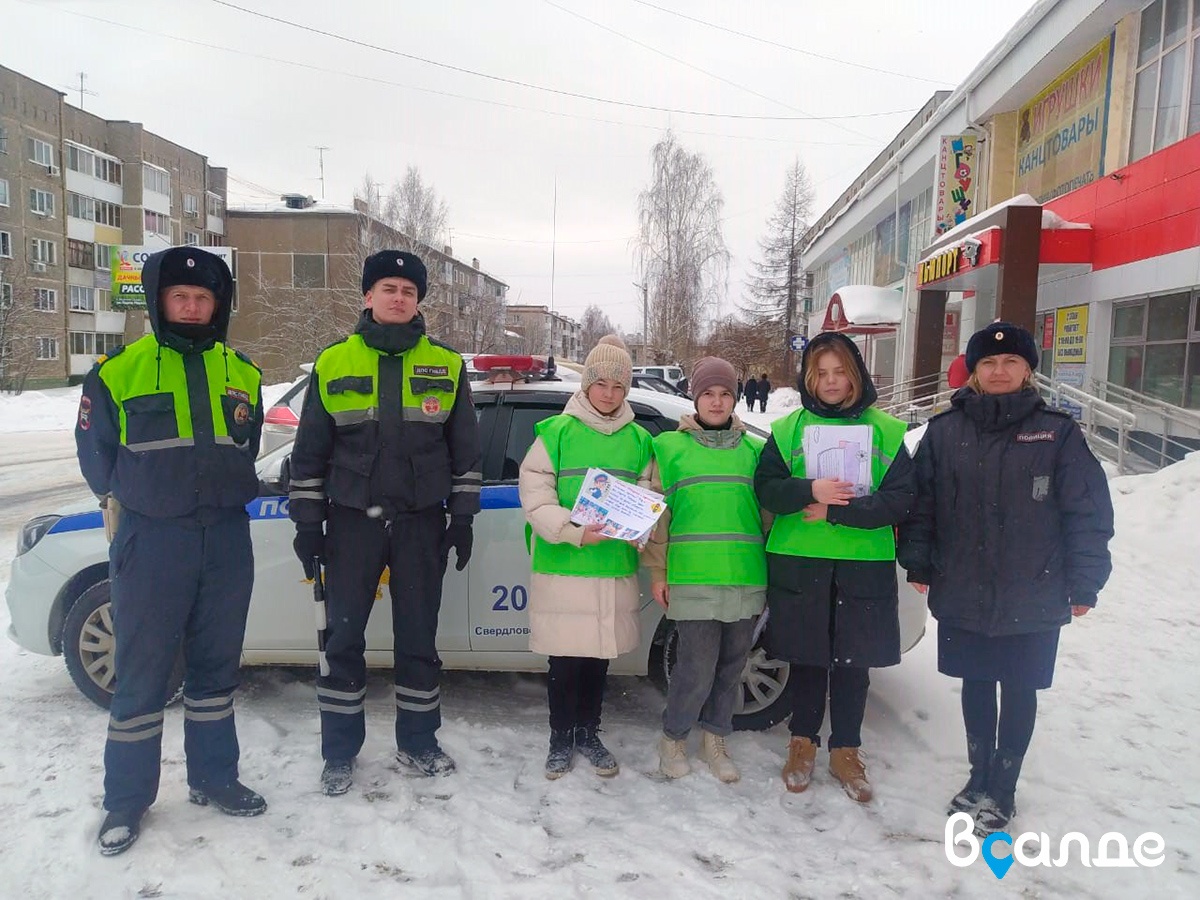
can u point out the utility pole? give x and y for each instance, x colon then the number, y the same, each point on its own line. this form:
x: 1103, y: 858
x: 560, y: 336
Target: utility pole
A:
x: 553, y: 254
x: 321, y: 165
x: 645, y: 322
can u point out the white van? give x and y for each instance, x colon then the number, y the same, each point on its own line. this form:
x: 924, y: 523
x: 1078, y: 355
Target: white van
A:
x: 673, y: 374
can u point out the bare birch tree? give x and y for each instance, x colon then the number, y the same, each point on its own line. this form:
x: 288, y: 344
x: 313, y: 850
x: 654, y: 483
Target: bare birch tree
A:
x: 594, y: 326
x: 774, y: 284
x: 18, y: 326
x: 680, y: 248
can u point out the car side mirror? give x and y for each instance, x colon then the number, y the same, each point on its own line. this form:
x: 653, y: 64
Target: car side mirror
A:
x: 278, y: 482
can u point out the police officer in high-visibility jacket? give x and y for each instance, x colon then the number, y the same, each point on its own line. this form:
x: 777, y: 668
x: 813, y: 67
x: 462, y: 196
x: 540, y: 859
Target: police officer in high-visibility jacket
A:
x: 387, y: 447
x: 169, y: 428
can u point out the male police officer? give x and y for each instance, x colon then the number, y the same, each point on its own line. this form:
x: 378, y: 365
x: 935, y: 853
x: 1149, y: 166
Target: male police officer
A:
x: 169, y: 427
x: 387, y: 445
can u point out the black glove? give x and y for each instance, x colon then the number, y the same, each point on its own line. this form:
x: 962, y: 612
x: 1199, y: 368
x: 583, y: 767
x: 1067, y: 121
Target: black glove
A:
x: 459, y: 536
x: 309, y: 544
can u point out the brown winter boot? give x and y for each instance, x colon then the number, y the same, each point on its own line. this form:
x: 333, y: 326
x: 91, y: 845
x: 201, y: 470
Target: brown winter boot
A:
x: 797, y: 771
x: 847, y: 766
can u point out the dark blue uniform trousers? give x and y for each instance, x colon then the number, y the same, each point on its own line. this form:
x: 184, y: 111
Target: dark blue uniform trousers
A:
x: 176, y: 581
x: 357, y: 547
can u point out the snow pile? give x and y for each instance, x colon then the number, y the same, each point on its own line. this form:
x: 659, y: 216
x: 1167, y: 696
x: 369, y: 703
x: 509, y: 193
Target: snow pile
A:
x: 54, y: 409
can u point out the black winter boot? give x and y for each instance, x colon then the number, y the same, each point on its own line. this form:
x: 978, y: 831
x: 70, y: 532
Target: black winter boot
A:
x: 587, y: 742
x: 337, y: 776
x: 233, y: 799
x: 999, y: 806
x: 979, y: 753
x: 562, y: 751
x: 429, y: 762
x: 119, y: 831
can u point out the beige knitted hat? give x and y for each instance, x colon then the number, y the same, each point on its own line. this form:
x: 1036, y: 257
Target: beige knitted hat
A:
x: 608, y: 359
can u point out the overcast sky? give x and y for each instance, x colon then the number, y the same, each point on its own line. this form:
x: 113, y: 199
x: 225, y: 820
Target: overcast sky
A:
x: 257, y: 96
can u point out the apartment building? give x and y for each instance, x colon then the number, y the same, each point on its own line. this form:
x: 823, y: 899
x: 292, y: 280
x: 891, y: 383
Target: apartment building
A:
x: 73, y: 186
x: 538, y: 329
x: 299, y: 264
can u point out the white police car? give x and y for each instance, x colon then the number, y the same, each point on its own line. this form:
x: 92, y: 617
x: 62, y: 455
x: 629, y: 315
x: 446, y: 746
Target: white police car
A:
x: 59, y: 601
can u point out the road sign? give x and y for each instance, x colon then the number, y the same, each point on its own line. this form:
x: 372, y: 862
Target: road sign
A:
x: 798, y: 342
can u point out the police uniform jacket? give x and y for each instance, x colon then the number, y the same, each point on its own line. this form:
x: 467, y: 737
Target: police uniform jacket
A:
x: 170, y: 424
x: 388, y: 423
x: 1013, y: 515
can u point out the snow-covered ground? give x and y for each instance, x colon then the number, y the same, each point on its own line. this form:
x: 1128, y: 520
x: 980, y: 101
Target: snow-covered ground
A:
x: 1114, y: 752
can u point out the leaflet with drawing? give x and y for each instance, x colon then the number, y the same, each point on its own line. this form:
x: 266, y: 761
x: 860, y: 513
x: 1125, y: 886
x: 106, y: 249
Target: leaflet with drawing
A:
x: 841, y: 452
x: 626, y: 511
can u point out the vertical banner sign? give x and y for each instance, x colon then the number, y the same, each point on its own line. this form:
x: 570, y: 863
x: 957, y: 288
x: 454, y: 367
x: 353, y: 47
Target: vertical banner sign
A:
x: 1070, y: 335
x: 126, y: 264
x: 1061, y: 131
x: 955, y: 181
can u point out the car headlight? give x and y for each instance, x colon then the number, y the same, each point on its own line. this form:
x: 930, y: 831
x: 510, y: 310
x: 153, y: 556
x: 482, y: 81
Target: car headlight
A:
x: 33, y: 531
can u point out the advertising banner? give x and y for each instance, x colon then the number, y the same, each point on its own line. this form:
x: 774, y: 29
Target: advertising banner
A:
x: 126, y: 264
x: 1061, y: 131
x: 1070, y: 335
x: 955, y: 181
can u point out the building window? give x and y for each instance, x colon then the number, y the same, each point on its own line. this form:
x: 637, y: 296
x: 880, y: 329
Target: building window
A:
x: 1155, y: 348
x: 41, y: 203
x: 156, y: 180
x: 108, y: 170
x: 81, y: 207
x: 104, y: 256
x: 5, y: 295
x: 1166, y: 94
x: 308, y: 270
x: 45, y: 299
x: 81, y: 160
x: 81, y: 254
x: 213, y: 240
x: 3, y: 138
x: 103, y: 300
x: 47, y: 348
x: 44, y: 252
x: 88, y: 343
x: 41, y: 153
x: 191, y: 238
x: 81, y: 299
x: 460, y: 277
x: 191, y: 205
x: 108, y: 214
x: 3, y: 192
x: 215, y: 206
x: 157, y: 223
x: 5, y: 245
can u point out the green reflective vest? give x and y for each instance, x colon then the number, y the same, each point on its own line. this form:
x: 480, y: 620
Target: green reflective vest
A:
x: 716, y: 527
x: 791, y: 535
x: 154, y: 410
x: 574, y: 448
x: 349, y: 381
x: 186, y: 427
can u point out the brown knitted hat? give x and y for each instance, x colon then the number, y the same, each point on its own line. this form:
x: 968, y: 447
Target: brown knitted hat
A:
x: 712, y: 371
x: 608, y: 359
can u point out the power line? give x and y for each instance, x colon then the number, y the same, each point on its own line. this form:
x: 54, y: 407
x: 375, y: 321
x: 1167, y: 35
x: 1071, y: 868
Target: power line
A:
x: 456, y: 96
x: 800, y: 50
x: 536, y: 87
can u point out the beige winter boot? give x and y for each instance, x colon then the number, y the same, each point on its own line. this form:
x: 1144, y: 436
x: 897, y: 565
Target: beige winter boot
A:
x: 672, y: 757
x: 797, y: 771
x: 714, y: 752
x: 847, y: 766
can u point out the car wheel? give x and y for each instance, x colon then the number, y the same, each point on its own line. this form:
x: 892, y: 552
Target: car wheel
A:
x: 88, y: 647
x: 761, y: 702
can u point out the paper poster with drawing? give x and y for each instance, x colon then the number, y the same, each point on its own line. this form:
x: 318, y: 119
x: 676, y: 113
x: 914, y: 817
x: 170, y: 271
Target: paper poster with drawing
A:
x: 841, y: 452
x: 627, y: 512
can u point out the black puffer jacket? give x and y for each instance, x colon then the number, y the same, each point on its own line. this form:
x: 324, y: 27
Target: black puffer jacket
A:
x: 836, y: 611
x: 1013, y: 516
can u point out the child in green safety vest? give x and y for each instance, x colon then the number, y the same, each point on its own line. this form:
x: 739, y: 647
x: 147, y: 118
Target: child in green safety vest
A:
x: 708, y: 567
x: 583, y: 597
x: 832, y: 592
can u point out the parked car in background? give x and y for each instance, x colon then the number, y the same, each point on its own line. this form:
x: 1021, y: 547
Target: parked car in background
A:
x: 672, y: 374
x: 58, y: 593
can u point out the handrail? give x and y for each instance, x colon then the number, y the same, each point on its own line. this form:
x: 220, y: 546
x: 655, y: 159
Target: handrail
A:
x: 1169, y: 410
x: 1095, y: 414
